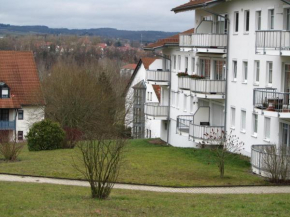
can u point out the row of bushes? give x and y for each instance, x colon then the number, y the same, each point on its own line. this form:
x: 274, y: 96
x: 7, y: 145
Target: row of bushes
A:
x: 184, y: 74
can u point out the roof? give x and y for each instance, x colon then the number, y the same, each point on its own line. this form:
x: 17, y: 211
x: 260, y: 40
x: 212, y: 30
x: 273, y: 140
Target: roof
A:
x: 157, y: 90
x: 140, y: 85
x: 171, y: 41
x: 193, y: 4
x: 130, y: 66
x: 18, y: 71
x: 147, y: 61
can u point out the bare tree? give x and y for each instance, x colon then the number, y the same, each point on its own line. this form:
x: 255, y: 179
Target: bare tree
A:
x: 222, y: 144
x: 277, y: 163
x: 101, y: 161
x: 10, y: 149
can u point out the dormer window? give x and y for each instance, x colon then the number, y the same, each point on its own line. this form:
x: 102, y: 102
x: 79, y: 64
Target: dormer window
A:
x: 4, y: 90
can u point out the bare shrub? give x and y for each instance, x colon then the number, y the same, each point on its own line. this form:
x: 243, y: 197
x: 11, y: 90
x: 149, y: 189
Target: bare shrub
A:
x: 101, y: 161
x: 222, y: 144
x: 277, y: 163
x: 10, y: 150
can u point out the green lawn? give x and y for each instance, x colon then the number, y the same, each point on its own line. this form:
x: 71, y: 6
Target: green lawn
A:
x: 22, y: 199
x: 145, y: 164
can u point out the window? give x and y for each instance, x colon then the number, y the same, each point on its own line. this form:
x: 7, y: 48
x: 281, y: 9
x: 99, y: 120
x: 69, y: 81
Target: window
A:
x: 185, y: 103
x: 150, y: 96
x: 4, y: 114
x: 5, y: 92
x: 271, y: 18
x: 255, y: 124
x: 235, y: 70
x: 179, y: 62
x: 219, y: 70
x: 257, y: 72
x: 236, y: 22
x: 186, y: 64
x: 174, y: 62
x: 287, y: 19
x: 205, y: 68
x: 191, y: 104
x: 233, y: 117
x: 20, y: 114
x: 267, y: 128
x: 20, y: 135
x: 245, y: 72
x: 258, y: 20
x: 243, y: 121
x: 269, y: 73
x: 221, y: 25
x: 193, y: 65
x: 247, y: 21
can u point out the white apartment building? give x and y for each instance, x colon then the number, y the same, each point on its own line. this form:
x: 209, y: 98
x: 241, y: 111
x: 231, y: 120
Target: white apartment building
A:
x: 139, y: 93
x: 232, y: 73
x: 21, y: 99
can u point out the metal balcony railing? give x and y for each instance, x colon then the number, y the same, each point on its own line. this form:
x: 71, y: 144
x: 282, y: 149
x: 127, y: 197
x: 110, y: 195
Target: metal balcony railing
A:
x: 271, y: 100
x: 261, y: 158
x: 184, y: 83
x: 208, y: 86
x: 201, y: 40
x: 183, y: 122
x: 201, y: 132
x: 273, y: 39
x: 158, y: 76
x: 156, y: 110
x: 7, y: 125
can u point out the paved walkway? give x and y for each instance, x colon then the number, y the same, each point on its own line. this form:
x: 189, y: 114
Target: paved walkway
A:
x: 197, y: 190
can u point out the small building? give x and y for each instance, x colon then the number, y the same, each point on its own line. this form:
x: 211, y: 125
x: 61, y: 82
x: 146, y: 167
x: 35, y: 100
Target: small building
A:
x: 21, y: 98
x: 128, y: 70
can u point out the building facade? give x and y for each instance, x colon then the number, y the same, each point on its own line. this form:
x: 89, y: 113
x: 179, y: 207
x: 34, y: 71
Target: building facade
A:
x: 231, y: 73
x: 21, y: 98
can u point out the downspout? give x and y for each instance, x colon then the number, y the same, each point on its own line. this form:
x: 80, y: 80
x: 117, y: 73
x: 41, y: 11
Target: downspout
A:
x: 169, y: 94
x: 227, y: 64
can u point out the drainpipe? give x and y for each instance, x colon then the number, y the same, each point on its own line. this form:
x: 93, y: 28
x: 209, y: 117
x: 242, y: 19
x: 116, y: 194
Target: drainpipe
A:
x: 169, y: 94
x: 227, y: 63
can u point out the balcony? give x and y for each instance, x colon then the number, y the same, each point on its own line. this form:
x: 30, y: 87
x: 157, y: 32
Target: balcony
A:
x: 183, y: 123
x: 184, y: 83
x: 158, y: 77
x: 272, y: 103
x: 156, y: 111
x: 7, y: 125
x: 205, y: 43
x: 208, y: 89
x: 273, y: 42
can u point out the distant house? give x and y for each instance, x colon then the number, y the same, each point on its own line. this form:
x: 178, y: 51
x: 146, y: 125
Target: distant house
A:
x: 128, y: 70
x: 21, y: 98
x: 102, y: 46
x: 139, y: 93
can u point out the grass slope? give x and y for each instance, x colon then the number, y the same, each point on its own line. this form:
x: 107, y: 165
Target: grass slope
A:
x: 145, y: 163
x: 21, y: 199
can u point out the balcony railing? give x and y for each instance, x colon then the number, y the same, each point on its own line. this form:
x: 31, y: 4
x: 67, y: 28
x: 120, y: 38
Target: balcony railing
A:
x: 208, y: 86
x: 156, y: 110
x: 184, y: 83
x: 200, y: 131
x: 7, y: 125
x: 204, y: 40
x: 263, y: 157
x: 273, y: 40
x: 183, y: 123
x: 158, y: 76
x: 271, y: 100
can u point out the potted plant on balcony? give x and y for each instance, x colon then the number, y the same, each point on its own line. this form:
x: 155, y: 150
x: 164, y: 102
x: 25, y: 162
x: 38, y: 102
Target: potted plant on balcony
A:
x: 196, y: 77
x: 182, y: 74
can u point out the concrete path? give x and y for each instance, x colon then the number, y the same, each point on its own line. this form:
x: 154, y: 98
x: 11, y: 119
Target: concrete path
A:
x: 197, y: 190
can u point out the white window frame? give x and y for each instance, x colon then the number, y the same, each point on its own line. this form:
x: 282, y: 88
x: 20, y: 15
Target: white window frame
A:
x: 267, y: 129
x: 271, y: 19
x: 237, y: 22
x: 269, y: 74
x: 174, y: 62
x: 245, y: 71
x: 185, y: 102
x: 259, y: 20
x: 193, y: 65
x: 186, y: 64
x: 247, y: 21
x: 233, y: 117
x: 287, y: 19
x: 243, y: 121
x: 179, y: 62
x: 255, y: 123
x: 257, y: 71
x: 235, y: 70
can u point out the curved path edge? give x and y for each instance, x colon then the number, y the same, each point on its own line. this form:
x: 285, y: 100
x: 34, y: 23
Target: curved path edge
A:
x: 196, y: 190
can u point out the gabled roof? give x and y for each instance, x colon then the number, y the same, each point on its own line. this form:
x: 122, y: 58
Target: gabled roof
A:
x: 157, y: 90
x: 147, y: 61
x: 193, y: 4
x: 18, y: 71
x: 130, y: 66
x: 171, y: 41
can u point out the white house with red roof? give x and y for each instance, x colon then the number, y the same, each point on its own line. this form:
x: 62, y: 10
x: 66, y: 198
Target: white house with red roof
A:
x: 138, y: 93
x: 21, y: 98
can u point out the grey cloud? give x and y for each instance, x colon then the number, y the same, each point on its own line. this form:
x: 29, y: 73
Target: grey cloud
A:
x: 121, y: 14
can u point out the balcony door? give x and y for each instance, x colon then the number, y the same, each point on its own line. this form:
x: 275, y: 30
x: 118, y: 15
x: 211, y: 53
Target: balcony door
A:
x: 218, y: 115
x: 4, y: 114
x: 205, y: 68
x: 285, y: 136
x: 219, y: 70
x: 287, y: 78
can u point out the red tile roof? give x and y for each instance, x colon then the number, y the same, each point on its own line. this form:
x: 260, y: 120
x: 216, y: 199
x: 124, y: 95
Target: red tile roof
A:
x: 18, y: 71
x: 157, y: 90
x: 147, y: 61
x: 173, y: 40
x: 130, y: 66
x: 192, y: 4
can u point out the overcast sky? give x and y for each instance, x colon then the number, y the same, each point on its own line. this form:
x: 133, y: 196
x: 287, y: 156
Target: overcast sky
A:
x: 120, y: 14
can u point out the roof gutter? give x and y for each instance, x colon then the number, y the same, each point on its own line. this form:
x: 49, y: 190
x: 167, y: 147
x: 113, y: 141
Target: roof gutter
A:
x: 192, y: 7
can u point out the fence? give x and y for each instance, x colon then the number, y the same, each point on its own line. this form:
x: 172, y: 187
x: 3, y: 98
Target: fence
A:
x: 200, y: 132
x: 204, y: 40
x: 183, y: 123
x: 7, y: 125
x: 155, y: 109
x: 163, y: 76
x: 208, y: 86
x: 184, y: 83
